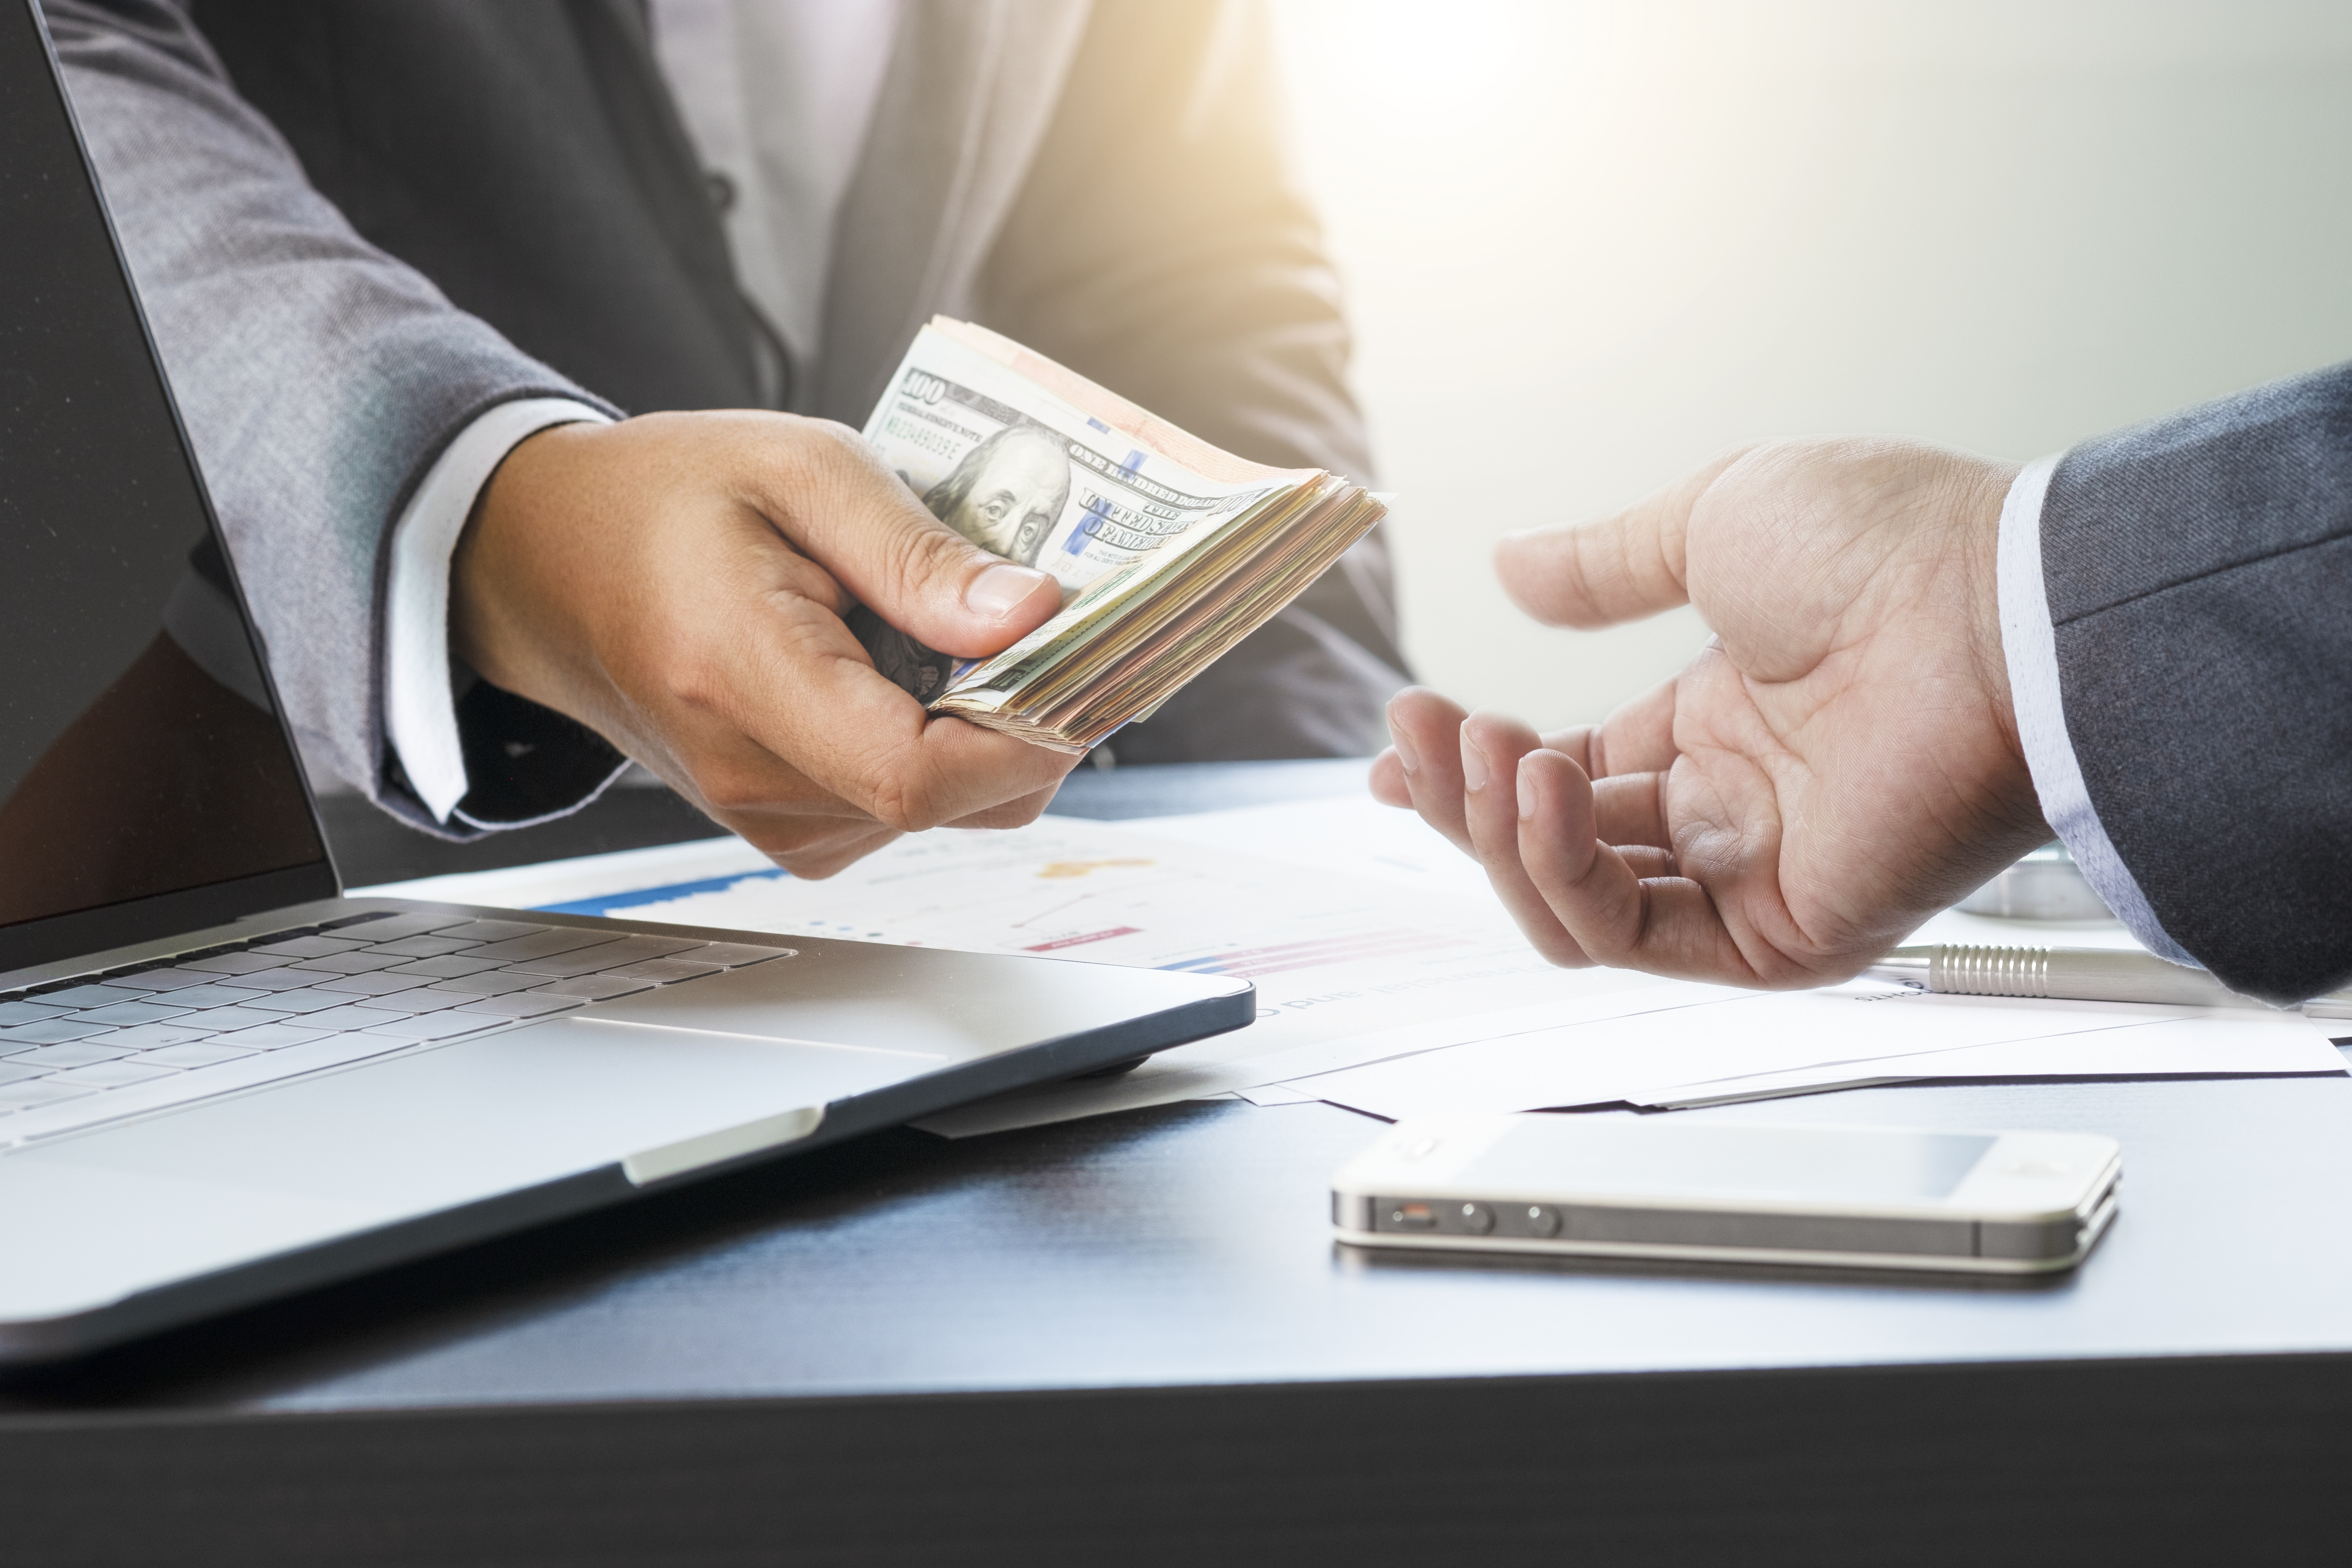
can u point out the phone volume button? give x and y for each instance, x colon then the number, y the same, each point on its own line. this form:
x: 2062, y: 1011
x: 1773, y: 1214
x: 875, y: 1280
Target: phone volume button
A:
x: 1477, y: 1219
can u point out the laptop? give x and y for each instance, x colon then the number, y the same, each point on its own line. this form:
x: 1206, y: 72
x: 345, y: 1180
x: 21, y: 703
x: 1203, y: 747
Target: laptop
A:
x: 220, y: 1079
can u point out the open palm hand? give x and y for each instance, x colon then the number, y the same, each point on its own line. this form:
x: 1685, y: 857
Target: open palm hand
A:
x: 1839, y: 763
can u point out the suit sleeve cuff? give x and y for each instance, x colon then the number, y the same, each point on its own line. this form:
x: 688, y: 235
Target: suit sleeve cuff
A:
x: 2029, y: 645
x: 420, y: 701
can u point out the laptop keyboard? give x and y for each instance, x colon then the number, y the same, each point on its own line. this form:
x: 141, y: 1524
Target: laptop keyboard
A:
x: 150, y: 1036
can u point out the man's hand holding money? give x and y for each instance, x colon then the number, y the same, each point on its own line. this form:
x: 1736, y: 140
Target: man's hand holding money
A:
x: 678, y: 582
x: 1838, y: 763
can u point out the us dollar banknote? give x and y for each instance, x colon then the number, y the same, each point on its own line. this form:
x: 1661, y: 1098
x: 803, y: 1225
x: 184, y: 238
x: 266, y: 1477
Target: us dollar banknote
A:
x: 1164, y: 545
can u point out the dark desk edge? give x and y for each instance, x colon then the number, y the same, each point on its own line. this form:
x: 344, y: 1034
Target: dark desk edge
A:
x: 2187, y: 1460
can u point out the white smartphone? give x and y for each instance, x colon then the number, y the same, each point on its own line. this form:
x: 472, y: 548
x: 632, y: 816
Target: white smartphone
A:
x: 1870, y: 1197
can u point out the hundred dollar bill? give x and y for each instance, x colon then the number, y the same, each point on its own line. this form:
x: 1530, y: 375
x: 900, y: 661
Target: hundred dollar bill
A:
x: 1169, y: 551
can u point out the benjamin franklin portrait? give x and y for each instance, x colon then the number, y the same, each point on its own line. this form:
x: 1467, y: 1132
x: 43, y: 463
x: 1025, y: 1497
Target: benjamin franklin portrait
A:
x: 1007, y: 491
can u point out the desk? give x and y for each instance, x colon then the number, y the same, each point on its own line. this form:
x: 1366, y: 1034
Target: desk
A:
x: 1131, y: 1340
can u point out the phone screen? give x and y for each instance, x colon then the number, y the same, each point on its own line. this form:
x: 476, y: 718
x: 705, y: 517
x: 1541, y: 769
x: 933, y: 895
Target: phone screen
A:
x: 1645, y: 1159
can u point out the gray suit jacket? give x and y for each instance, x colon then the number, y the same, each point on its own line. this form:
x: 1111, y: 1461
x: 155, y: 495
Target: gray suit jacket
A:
x: 2200, y: 575
x: 357, y: 224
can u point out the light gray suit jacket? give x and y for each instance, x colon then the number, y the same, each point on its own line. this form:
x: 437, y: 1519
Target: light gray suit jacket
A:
x: 1102, y: 181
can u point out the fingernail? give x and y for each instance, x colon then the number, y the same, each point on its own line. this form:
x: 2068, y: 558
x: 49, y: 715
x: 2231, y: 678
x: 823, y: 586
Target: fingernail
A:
x: 1473, y: 764
x: 1527, y: 793
x: 995, y: 591
x: 1404, y: 750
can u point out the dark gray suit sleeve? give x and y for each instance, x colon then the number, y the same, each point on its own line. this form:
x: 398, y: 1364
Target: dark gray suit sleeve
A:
x: 318, y: 377
x: 2199, y: 577
x: 1161, y: 246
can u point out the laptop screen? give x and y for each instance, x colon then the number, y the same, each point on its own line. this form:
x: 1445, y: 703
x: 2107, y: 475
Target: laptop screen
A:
x: 143, y: 769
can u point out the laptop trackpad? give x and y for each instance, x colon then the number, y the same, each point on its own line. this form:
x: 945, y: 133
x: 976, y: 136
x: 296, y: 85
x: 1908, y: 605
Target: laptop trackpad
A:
x: 399, y: 1137
x: 408, y: 1135
x: 477, y: 1117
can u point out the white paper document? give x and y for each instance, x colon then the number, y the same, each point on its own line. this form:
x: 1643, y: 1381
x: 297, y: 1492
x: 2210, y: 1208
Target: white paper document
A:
x: 1347, y: 968
x: 1389, y: 979
x: 1758, y: 1045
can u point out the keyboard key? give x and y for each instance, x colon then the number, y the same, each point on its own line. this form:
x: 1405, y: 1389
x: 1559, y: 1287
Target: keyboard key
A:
x: 127, y: 1013
x: 220, y: 1020
x: 448, y: 968
x: 276, y: 980
x: 249, y: 1069
x: 148, y: 1037
x: 545, y: 945
x: 369, y: 984
x: 421, y: 946
x: 489, y: 931
x: 232, y: 963
x: 591, y: 987
x: 398, y: 928
x: 155, y: 980
x: 431, y: 1026
x: 46, y: 1032
x: 110, y: 1075
x: 410, y: 1001
x: 188, y: 998
x: 40, y: 1091
x: 14, y: 1013
x: 52, y: 1058
x: 661, y: 971
x: 360, y: 962
x: 353, y: 1017
x: 607, y: 955
x: 309, y: 946
x: 272, y: 1037
x: 496, y: 985
x: 737, y: 954
x: 17, y: 1072
x: 289, y: 1004
x: 204, y: 1055
x: 521, y: 1005
x: 87, y: 997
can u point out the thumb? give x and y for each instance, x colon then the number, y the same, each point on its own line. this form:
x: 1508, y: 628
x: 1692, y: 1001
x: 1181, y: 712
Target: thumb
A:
x: 1615, y: 569
x: 841, y: 506
x: 947, y: 591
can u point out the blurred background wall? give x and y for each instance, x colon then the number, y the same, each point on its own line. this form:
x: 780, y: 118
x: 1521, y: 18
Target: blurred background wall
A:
x: 1586, y: 245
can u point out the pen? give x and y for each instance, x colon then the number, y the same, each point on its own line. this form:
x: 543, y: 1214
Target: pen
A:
x: 2072, y: 973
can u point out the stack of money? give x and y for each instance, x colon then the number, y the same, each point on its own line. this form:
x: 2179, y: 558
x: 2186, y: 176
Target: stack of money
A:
x: 1169, y: 551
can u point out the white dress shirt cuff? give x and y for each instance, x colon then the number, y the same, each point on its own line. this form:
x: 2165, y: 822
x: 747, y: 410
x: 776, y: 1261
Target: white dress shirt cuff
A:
x: 420, y: 708
x: 2029, y: 645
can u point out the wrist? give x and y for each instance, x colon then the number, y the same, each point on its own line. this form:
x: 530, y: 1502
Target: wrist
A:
x: 1982, y: 490
x: 496, y: 624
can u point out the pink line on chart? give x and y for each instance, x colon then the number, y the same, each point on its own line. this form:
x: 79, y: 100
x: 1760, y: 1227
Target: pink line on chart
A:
x: 1082, y: 941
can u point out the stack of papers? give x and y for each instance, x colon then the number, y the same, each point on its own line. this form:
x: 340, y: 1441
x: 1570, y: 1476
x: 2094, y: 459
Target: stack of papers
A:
x: 1388, y: 980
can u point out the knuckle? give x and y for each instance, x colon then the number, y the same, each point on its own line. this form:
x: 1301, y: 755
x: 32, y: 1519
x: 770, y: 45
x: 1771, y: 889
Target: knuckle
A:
x: 924, y: 552
x: 901, y: 805
x: 813, y: 850
x: 813, y: 865
x: 1559, y: 948
x: 693, y: 683
x: 1021, y: 813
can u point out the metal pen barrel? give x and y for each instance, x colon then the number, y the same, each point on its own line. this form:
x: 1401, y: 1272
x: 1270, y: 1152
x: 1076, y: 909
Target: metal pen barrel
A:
x: 2079, y: 975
